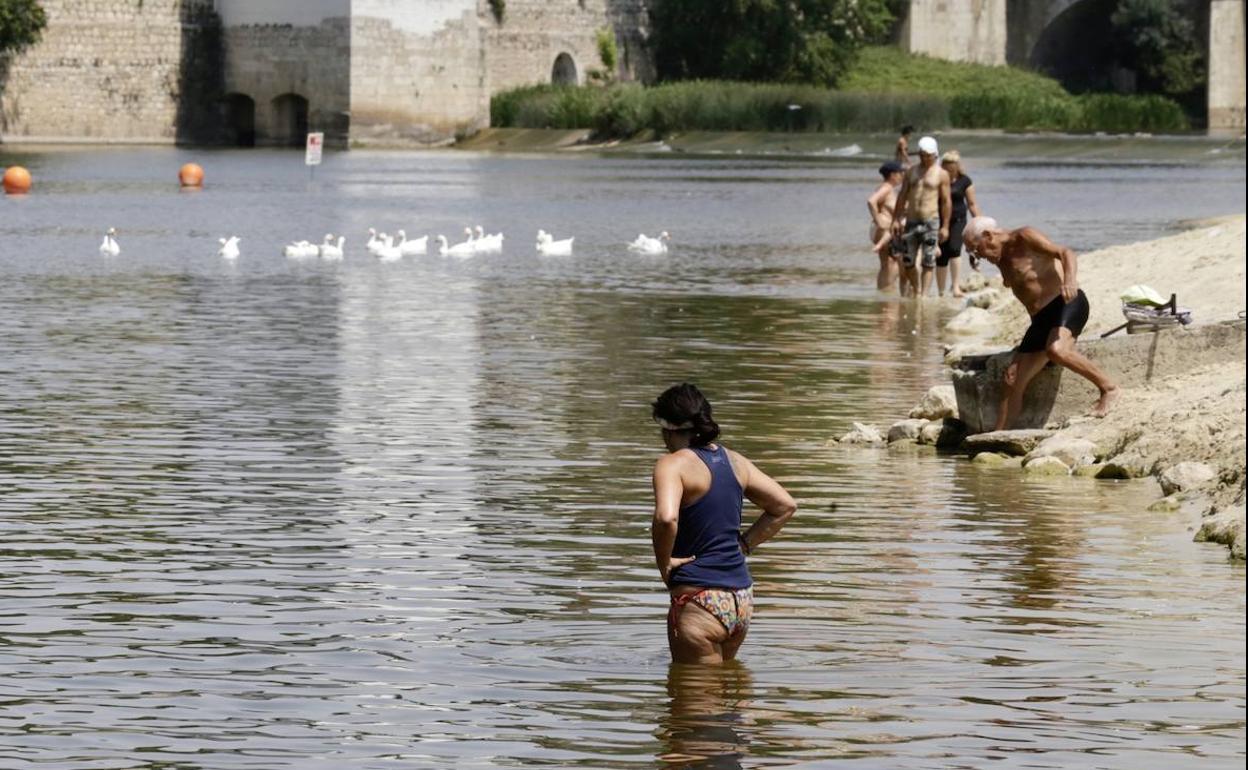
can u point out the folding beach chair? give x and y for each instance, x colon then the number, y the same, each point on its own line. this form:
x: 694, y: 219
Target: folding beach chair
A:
x: 1148, y: 316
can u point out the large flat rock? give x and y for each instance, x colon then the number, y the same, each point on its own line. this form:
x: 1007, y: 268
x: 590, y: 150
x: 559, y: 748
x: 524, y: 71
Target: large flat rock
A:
x: 1010, y: 442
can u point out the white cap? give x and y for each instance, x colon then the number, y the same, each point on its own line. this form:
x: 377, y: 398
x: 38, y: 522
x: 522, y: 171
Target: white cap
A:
x: 928, y: 145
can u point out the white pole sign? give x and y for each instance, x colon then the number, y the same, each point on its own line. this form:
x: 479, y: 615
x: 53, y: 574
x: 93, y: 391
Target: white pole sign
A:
x: 316, y: 143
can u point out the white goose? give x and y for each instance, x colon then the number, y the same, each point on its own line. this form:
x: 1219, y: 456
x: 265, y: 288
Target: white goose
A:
x: 547, y: 246
x: 488, y: 244
x: 109, y: 247
x: 229, y: 248
x: 374, y: 243
x: 331, y: 251
x: 300, y: 250
x: 413, y: 248
x: 647, y: 245
x: 462, y: 250
x: 388, y: 251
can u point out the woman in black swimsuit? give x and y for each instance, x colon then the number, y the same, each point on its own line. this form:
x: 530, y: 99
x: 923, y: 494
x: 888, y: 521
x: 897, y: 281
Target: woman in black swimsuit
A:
x: 962, y: 191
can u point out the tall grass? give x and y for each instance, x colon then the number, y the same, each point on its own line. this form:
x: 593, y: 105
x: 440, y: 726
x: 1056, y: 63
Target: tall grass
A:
x: 885, y: 89
x: 701, y: 105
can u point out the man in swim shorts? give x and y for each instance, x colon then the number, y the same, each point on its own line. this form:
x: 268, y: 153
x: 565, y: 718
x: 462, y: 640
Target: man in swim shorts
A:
x: 1042, y: 276
x: 921, y: 216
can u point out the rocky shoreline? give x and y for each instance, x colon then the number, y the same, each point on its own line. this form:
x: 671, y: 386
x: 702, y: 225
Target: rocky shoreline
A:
x: 1181, y: 419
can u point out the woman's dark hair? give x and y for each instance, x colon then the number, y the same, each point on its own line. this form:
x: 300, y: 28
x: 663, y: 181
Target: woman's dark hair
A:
x: 684, y: 404
x: 907, y: 130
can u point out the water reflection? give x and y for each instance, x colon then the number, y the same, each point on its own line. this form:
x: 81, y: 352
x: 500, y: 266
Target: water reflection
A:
x: 709, y: 722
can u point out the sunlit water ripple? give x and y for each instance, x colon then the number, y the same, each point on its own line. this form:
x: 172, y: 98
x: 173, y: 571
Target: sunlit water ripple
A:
x: 288, y: 515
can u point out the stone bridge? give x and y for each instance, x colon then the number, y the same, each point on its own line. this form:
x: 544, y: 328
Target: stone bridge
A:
x: 403, y: 71
x: 1066, y: 38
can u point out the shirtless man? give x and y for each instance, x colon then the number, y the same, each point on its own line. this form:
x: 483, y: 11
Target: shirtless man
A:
x: 923, y: 209
x: 1042, y: 276
x: 901, y: 153
x: 880, y: 204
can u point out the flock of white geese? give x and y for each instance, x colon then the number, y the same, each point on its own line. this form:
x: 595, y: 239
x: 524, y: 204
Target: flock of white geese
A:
x: 386, y: 249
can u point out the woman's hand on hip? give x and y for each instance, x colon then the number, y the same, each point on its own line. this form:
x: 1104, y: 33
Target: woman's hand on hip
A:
x: 673, y: 564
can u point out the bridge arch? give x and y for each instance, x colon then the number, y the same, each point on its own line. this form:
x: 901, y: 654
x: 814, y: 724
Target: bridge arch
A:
x: 564, y: 73
x: 290, y: 119
x: 238, y: 118
x: 1073, y: 46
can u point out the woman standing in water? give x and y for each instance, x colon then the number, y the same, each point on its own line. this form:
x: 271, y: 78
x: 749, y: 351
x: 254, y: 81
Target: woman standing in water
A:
x: 962, y: 193
x: 698, y: 544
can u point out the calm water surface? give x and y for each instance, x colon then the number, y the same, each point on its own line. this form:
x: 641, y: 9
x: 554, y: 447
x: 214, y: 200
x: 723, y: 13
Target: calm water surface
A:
x: 289, y: 515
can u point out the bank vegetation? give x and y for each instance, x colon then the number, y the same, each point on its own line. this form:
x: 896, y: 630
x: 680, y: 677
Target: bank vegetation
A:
x: 883, y: 90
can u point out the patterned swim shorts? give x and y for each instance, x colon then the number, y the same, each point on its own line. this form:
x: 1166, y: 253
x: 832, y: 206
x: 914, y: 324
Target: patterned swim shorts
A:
x: 922, y: 237
x: 732, y: 608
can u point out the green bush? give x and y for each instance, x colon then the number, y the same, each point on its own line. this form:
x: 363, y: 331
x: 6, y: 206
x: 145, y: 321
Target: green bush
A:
x: 1116, y: 113
x: 707, y: 105
x: 889, y: 88
x: 884, y: 69
x: 21, y: 24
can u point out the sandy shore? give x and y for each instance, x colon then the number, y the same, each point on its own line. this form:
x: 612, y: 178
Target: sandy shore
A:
x: 1195, y: 416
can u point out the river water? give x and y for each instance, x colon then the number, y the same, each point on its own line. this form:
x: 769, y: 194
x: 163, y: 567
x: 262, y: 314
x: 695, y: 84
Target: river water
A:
x: 289, y: 515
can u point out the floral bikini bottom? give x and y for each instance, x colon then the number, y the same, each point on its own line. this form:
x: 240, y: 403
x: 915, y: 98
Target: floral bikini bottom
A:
x: 732, y: 609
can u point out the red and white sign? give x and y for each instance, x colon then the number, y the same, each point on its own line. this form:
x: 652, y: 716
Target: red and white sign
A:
x: 316, y: 145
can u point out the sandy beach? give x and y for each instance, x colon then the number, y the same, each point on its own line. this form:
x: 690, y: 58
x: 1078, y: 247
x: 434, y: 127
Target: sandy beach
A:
x: 1185, y: 428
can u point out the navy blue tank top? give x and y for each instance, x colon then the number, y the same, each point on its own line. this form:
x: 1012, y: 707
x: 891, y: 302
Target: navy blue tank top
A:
x: 708, y: 529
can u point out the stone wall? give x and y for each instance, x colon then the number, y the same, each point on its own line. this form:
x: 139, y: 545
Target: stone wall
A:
x: 417, y: 70
x: 266, y: 70
x: 275, y: 63
x: 113, y: 70
x: 524, y: 48
x: 957, y: 30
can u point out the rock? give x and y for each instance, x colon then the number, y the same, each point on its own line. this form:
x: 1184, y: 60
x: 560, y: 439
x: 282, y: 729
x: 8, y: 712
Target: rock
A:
x: 978, y: 382
x: 959, y: 350
x: 1046, y: 466
x: 939, y: 402
x: 1226, y: 527
x: 982, y: 299
x: 943, y: 434
x: 1166, y: 505
x: 972, y: 322
x: 1119, y: 468
x: 1073, y: 452
x: 1012, y: 462
x: 1090, y: 471
x: 1185, y: 476
x: 990, y: 458
x: 862, y: 434
x: 906, y: 430
x: 1010, y: 442
x: 974, y: 281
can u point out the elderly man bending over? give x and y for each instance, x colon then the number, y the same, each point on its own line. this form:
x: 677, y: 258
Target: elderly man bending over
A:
x: 1042, y: 276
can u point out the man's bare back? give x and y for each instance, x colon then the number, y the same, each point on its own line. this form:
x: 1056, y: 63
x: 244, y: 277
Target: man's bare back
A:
x: 1031, y: 265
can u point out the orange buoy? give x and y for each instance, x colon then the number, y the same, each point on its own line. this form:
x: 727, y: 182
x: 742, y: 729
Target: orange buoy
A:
x: 191, y: 175
x: 16, y: 180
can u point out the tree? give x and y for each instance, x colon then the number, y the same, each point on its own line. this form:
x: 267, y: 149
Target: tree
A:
x: 21, y: 22
x: 1157, y: 40
x: 809, y: 41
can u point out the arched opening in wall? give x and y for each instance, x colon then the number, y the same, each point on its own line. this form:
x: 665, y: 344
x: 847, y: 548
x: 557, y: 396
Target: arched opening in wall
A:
x: 1076, y: 49
x: 239, y: 119
x: 290, y: 120
x: 564, y: 71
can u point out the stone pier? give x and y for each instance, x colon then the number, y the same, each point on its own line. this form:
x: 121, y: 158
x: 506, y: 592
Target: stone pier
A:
x: 1226, y: 66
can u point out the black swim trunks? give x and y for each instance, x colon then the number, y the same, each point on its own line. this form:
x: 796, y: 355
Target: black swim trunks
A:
x: 1058, y: 313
